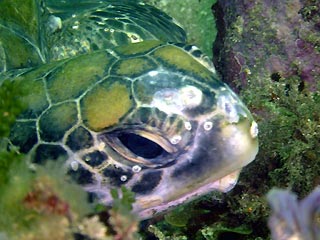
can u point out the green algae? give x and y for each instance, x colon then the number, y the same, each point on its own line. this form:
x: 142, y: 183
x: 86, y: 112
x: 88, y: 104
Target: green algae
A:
x: 288, y: 119
x: 290, y: 131
x: 216, y: 230
x: 122, y: 221
x: 9, y: 107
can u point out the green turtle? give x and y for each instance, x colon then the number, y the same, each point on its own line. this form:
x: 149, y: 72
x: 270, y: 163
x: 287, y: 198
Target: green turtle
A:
x: 114, y: 92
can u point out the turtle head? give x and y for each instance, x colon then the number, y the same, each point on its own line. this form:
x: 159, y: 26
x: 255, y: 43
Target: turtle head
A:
x: 189, y: 134
x: 151, y: 117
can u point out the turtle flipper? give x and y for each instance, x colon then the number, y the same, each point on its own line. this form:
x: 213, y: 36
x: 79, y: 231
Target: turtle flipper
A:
x: 20, y: 38
x: 90, y: 26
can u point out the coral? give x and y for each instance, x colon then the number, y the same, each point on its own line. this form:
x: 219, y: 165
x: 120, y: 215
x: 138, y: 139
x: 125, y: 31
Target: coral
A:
x: 293, y: 219
x: 93, y: 227
x: 34, y: 205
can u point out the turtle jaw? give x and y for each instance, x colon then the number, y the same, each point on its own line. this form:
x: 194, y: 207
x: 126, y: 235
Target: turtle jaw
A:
x: 212, y: 163
x: 148, y: 207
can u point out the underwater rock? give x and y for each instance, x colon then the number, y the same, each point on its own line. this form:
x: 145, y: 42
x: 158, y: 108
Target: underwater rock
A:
x: 293, y: 219
x: 268, y: 40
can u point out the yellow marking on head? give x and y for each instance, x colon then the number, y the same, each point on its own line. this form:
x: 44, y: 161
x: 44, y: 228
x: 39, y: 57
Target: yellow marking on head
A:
x: 104, y: 106
x: 182, y: 60
x: 78, y: 74
x: 133, y: 66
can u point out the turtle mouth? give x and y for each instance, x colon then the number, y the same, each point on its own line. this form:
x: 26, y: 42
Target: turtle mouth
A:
x: 152, y: 205
x: 139, y: 146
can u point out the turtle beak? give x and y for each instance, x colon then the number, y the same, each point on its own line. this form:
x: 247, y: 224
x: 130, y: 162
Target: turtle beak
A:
x: 219, y: 152
x: 225, y: 142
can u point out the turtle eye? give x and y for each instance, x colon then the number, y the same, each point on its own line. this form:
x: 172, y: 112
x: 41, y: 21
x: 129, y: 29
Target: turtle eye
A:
x: 141, y: 146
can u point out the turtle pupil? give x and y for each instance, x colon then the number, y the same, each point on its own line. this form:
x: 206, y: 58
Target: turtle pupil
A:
x: 140, y: 146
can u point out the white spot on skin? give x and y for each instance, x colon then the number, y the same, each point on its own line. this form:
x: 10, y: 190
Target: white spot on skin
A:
x: 111, y: 30
x: 194, y: 48
x: 169, y: 96
x: 254, y: 129
x: 54, y: 23
x: 233, y: 116
x: 175, y: 140
x: 123, y: 178
x: 227, y: 104
x: 191, y: 96
x: 76, y: 25
x: 101, y: 146
x: 167, y: 100
x: 172, y: 100
x: 101, y: 23
x: 74, y: 165
x: 188, y: 126
x: 136, y: 168
x: 134, y: 38
x: 207, y: 126
x: 153, y: 73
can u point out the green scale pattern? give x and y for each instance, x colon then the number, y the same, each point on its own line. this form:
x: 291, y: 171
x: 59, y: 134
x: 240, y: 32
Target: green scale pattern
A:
x: 58, y: 119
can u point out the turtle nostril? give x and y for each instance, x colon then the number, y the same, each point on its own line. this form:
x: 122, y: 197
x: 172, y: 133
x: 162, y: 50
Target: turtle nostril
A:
x: 141, y: 146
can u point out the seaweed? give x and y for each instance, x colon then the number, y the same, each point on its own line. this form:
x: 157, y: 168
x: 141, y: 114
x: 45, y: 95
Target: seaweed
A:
x: 10, y: 108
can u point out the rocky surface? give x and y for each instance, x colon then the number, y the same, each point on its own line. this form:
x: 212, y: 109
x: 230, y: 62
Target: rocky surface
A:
x: 268, y: 40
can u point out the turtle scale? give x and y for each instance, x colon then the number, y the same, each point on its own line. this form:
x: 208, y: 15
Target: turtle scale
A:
x: 152, y: 116
x: 87, y: 29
